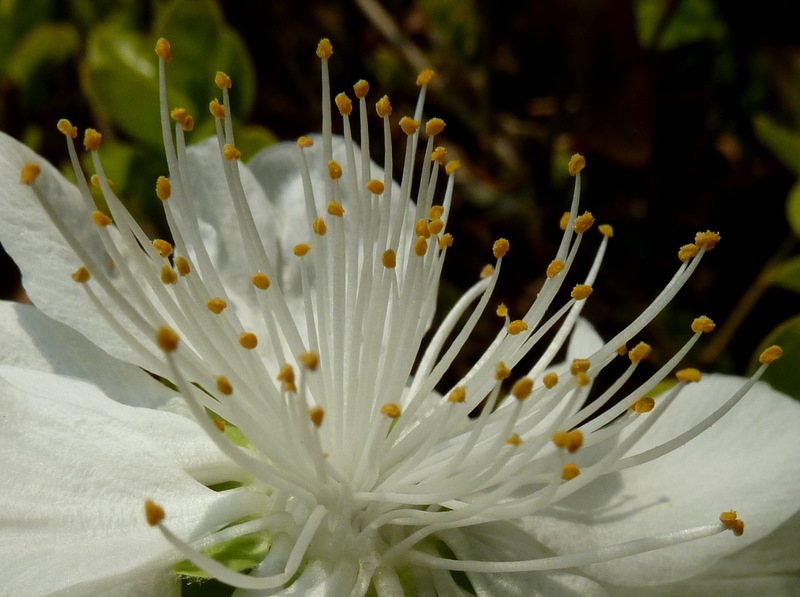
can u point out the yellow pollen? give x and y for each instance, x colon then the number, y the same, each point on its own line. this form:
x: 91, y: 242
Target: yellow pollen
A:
x: 222, y: 80
x: 606, y: 230
x: 375, y: 187
x: 65, y: 126
x: 344, y: 104
x: 421, y: 229
x: 639, y: 352
x: 500, y: 248
x: 706, y: 239
x: 301, y: 249
x: 217, y: 110
x: 286, y: 375
x: 582, y: 380
x: 316, y: 415
x: 643, y: 405
x: 436, y: 226
x: 100, y: 219
x: 770, y: 355
x: 188, y: 123
x: 361, y: 88
x: 501, y: 371
x: 248, y: 340
x: 517, y: 326
x: 436, y: 212
x: 92, y: 140
x: 389, y: 259
x: 514, y: 440
x: 334, y: 170
x: 570, y: 472
x: 581, y: 291
x: 458, y: 394
x: 383, y: 107
x: 434, y: 127
x: 688, y: 375
x: 703, y: 324
x: 579, y: 366
x: 687, y: 252
x: 550, y: 380
x: 731, y: 522
x: 391, y: 410
x: 163, y: 188
x: 260, y: 281
x: 571, y: 441
x: 168, y: 275
x: 309, y: 360
x: 324, y: 49
x: 486, y: 271
x: 216, y: 305
x: 335, y: 209
x: 220, y: 424
x: 522, y: 388
x: 182, y: 265
x: 439, y: 155
x: 576, y: 163
x: 408, y: 125
x: 230, y: 152
x: 445, y: 241
x: 29, y: 173
x: 319, y: 227
x: 164, y: 50
x: 163, y: 247
x: 95, y: 180
x: 304, y: 142
x: 562, y: 223
x: 425, y: 77
x: 556, y: 267
x: 153, y: 512
x: 502, y: 310
x: 452, y: 166
x: 420, y: 247
x: 178, y: 114
x: 167, y: 339
x: 81, y: 275
x: 622, y: 350
x: 583, y: 222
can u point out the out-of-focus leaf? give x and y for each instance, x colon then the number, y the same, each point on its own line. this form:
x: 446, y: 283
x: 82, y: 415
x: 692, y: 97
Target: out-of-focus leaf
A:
x: 787, y: 275
x: 784, y: 374
x: 693, y: 21
x: 17, y: 18
x: 48, y: 44
x: 793, y: 209
x: 784, y: 143
x: 253, y: 138
x: 456, y: 21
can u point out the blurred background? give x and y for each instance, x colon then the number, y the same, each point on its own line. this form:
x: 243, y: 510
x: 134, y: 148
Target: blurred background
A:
x: 688, y: 113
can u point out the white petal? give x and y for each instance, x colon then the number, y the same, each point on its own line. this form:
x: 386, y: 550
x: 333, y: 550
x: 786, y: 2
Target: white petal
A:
x: 762, y: 586
x: 319, y: 578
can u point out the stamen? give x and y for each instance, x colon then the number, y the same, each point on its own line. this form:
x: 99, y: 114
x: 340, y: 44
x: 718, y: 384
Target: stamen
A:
x: 570, y: 472
x: 390, y: 410
x: 581, y: 292
x: 30, y: 172
x: 576, y: 163
x: 153, y: 512
x: 248, y: 340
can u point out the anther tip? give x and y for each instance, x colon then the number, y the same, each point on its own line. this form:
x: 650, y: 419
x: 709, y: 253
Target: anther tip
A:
x: 164, y: 50
x: 167, y: 339
x: 153, y: 512
x: 222, y: 80
x: 324, y: 49
x: 425, y: 77
x: 30, y: 172
x: 576, y: 163
x: 770, y: 355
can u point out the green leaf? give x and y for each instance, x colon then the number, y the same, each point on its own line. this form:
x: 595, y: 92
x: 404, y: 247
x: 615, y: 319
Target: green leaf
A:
x: 48, y: 44
x: 787, y: 275
x: 784, y: 374
x: 237, y: 554
x: 693, y: 21
x: 784, y: 143
x: 793, y: 209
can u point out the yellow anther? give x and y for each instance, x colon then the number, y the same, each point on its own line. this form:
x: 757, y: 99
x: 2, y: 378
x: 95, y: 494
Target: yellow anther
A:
x: 445, y: 241
x: 576, y: 163
x: 375, y: 187
x: 571, y: 441
x: 457, y: 394
x: 439, y: 155
x: 703, y: 324
x: 230, y: 152
x: 421, y: 246
x: 309, y: 360
x: 334, y: 170
x: 361, y: 88
x: 639, y: 352
x: 81, y: 275
x: 514, y: 440
x: 486, y: 271
x: 178, y: 114
x: 425, y: 77
x: 564, y: 221
x: 500, y: 248
x: 687, y: 252
x: 335, y: 209
x: 100, y: 219
x: 286, y: 376
x: 622, y: 350
x: 164, y: 50
x: 222, y: 80
x: 319, y: 227
x: 383, y: 107
x: 389, y: 259
x: 606, y: 230
x: 643, y: 405
x: 582, y: 380
x: 408, y: 125
x: 166, y: 338
x: 452, y: 166
x: 391, y: 410
x: 688, y: 375
x: 30, y: 172
x: 436, y: 212
x: 301, y: 249
x: 163, y: 247
x: 220, y: 424
x: 706, y: 239
x: 182, y: 265
x: 501, y: 371
x: 304, y: 142
x: 581, y: 291
x: 324, y: 48
x: 217, y: 110
x: 502, y: 310
x: 570, y: 472
x: 168, y: 275
x: 522, y: 388
x: 260, y: 281
x: 556, y: 267
x: 421, y: 229
x: 731, y: 522
x: 188, y: 123
x: 579, y: 366
x: 65, y: 126
x: 436, y: 226
x: 92, y: 140
x: 153, y: 512
x: 434, y: 127
x: 95, y: 180
x: 224, y: 386
x: 517, y: 326
x: 316, y: 415
x: 550, y: 380
x: 344, y: 104
x: 770, y: 355
x: 583, y: 222
x: 248, y: 340
x: 163, y: 188
x: 216, y: 305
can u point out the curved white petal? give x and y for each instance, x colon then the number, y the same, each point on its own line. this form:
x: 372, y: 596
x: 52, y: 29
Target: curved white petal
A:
x: 787, y: 585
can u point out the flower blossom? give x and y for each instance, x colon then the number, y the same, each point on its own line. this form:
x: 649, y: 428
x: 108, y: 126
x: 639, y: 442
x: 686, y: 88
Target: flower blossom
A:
x: 260, y: 398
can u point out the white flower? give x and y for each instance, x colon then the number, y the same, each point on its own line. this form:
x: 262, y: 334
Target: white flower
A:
x: 290, y: 311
